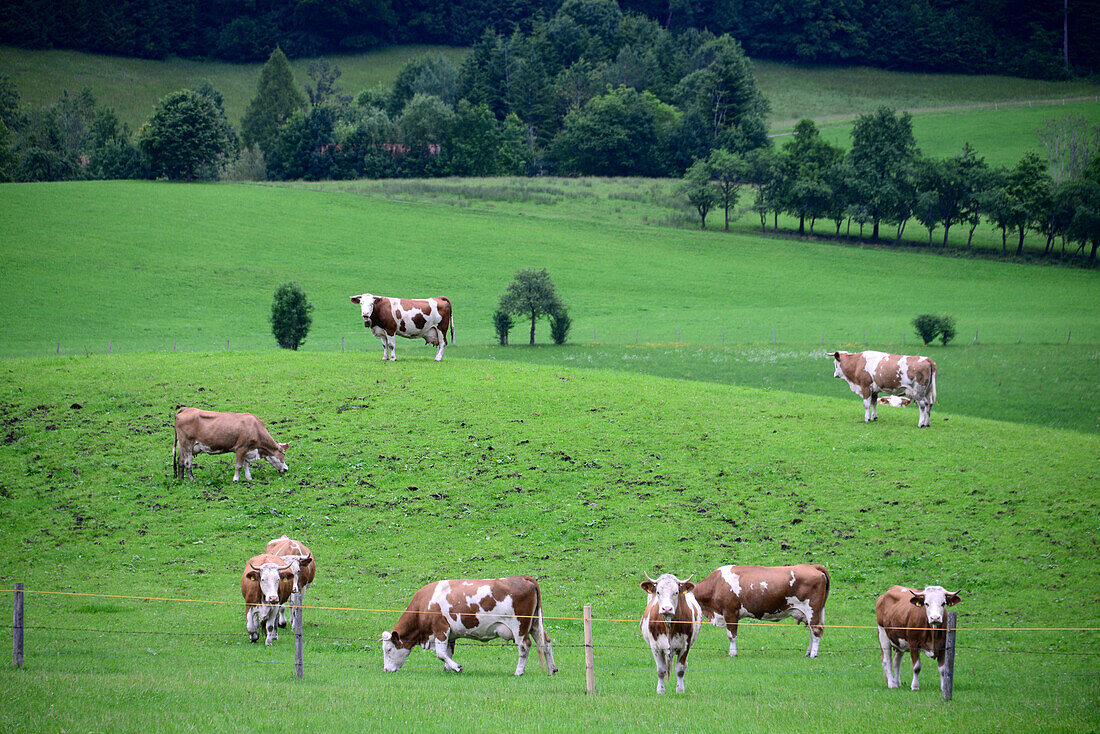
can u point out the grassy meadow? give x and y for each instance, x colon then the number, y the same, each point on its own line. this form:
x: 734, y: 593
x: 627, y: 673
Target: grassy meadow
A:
x: 404, y: 473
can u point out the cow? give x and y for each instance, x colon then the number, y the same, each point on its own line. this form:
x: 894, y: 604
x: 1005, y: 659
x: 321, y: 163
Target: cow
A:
x: 670, y: 625
x: 444, y: 611
x: 266, y: 584
x: 301, y: 563
x: 895, y: 401
x: 912, y: 620
x: 869, y: 373
x: 731, y: 593
x: 387, y: 318
x: 209, y: 432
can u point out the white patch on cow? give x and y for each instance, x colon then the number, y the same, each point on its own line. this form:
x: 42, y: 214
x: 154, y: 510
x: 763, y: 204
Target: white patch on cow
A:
x: 872, y: 359
x: 202, y: 448
x: 764, y: 585
x: 799, y: 609
x: 792, y: 579
x: 252, y: 455
x: 732, y: 579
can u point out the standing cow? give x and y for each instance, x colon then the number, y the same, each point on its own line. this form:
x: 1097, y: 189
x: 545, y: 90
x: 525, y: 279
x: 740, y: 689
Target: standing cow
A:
x: 670, y: 625
x: 429, y: 319
x: 301, y: 562
x: 731, y: 593
x: 444, y: 611
x: 869, y: 373
x: 266, y: 584
x: 209, y: 432
x: 912, y: 620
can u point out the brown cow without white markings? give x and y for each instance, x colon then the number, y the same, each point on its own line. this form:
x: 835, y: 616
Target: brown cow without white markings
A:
x: 670, y: 625
x: 300, y: 559
x: 266, y: 584
x: 209, y: 432
x: 912, y: 620
x: 731, y: 593
x: 869, y: 373
x: 444, y: 611
x: 428, y: 318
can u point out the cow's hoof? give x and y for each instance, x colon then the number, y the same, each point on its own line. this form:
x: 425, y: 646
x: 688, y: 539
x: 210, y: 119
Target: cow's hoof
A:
x: 253, y: 638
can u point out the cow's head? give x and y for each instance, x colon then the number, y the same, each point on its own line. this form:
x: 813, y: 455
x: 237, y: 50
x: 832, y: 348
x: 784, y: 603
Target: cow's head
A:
x: 837, y: 371
x: 278, y: 459
x: 296, y: 563
x: 270, y: 575
x: 933, y: 599
x: 366, y: 306
x: 668, y: 589
x: 394, y: 652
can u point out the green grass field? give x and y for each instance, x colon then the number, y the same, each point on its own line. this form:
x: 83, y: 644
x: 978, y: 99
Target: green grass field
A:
x: 404, y: 473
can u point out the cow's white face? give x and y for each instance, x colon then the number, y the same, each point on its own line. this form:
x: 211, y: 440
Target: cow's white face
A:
x: 393, y: 655
x: 366, y: 306
x: 668, y: 589
x: 278, y: 459
x: 934, y: 599
x: 837, y: 372
x: 270, y: 574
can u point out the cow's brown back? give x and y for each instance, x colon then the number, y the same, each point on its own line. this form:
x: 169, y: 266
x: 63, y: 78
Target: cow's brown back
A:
x: 285, y: 546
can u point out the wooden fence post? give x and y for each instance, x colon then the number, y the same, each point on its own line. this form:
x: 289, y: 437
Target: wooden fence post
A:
x: 299, y: 667
x: 589, y: 665
x: 949, y: 656
x: 17, y: 627
x: 342, y: 343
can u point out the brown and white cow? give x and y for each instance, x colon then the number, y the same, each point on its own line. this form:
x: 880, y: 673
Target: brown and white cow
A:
x: 266, y: 584
x: 910, y: 619
x: 300, y: 559
x: 670, y: 624
x: 869, y: 373
x: 387, y: 318
x: 444, y: 611
x: 209, y: 432
x: 732, y: 593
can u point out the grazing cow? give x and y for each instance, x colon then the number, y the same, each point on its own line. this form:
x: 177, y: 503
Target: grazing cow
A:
x: 208, y: 432
x: 912, y: 620
x: 301, y: 563
x: 731, y: 593
x: 266, y: 584
x: 389, y: 317
x: 444, y: 611
x: 869, y: 373
x: 670, y: 624
x: 896, y: 401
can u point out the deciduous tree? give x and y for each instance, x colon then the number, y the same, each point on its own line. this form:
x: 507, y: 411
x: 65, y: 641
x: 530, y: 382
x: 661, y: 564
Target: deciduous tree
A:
x: 531, y: 294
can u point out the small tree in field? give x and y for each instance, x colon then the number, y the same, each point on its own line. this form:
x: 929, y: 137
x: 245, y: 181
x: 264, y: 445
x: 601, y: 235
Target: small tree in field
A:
x: 531, y: 294
x: 927, y: 327
x: 290, y: 317
x: 947, y: 329
x: 502, y: 322
x: 559, y: 325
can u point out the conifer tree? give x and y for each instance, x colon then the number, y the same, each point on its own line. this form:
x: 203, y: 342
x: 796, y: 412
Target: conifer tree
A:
x: 277, y: 98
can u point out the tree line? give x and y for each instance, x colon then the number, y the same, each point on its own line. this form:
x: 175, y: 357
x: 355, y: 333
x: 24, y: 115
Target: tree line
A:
x: 1016, y: 37
x: 883, y: 180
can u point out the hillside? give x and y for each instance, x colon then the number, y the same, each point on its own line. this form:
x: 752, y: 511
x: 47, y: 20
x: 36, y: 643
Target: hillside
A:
x: 402, y: 473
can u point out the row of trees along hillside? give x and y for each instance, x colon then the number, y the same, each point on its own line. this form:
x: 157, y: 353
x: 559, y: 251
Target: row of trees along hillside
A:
x: 884, y: 180
x: 1017, y: 37
x: 620, y: 96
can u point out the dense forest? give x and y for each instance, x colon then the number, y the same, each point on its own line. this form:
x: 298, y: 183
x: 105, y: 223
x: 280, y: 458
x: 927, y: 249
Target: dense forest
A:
x: 1016, y: 37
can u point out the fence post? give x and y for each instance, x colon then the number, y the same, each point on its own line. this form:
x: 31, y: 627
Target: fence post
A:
x: 173, y: 345
x: 723, y: 337
x: 975, y: 338
x: 59, y: 349
x: 227, y: 345
x: 589, y: 666
x: 342, y: 343
x: 1068, y: 335
x: 108, y: 346
x: 949, y: 656
x: 677, y: 336
x: 774, y: 337
x: 635, y: 337
x: 299, y: 667
x: 17, y: 627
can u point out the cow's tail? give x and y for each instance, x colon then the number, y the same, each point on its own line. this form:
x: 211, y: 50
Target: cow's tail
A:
x: 542, y: 639
x: 825, y: 573
x: 175, y: 454
x: 933, y: 385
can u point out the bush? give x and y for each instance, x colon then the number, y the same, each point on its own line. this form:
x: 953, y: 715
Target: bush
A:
x: 290, y: 317
x: 559, y: 325
x: 929, y: 326
x: 502, y: 321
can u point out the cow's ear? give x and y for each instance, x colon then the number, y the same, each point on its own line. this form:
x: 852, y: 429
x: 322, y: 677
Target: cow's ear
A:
x: 917, y: 600
x: 953, y: 598
x: 687, y: 586
x: 835, y: 355
x: 649, y: 587
x: 252, y: 576
x: 284, y: 446
x: 355, y: 299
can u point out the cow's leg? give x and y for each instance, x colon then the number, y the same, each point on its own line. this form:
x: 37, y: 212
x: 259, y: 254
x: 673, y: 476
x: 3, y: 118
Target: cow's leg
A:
x: 817, y: 629
x: 444, y: 650
x: 874, y: 406
x: 867, y: 409
x: 187, y: 454
x: 438, y: 340
x: 662, y: 668
x: 731, y: 633
x: 252, y: 624
x: 523, y: 642
x: 887, y: 658
x: 942, y: 664
x: 925, y: 418
x: 681, y: 668
x: 393, y: 347
x: 269, y: 623
x: 915, y: 652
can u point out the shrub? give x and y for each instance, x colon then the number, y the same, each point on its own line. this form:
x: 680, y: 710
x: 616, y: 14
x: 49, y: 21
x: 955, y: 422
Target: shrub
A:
x: 290, y: 317
x: 929, y: 326
x: 559, y: 325
x: 502, y: 321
